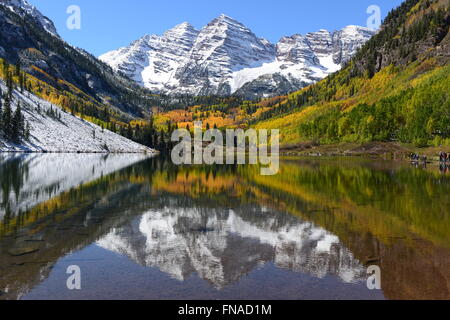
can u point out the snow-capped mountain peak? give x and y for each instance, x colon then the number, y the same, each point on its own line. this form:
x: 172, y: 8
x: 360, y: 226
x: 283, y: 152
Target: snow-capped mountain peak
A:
x: 181, y: 30
x: 224, y: 20
x: 226, y: 57
x: 223, y: 47
x: 22, y: 7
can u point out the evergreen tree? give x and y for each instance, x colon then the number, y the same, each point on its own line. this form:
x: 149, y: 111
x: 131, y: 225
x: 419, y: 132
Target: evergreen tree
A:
x: 6, y: 119
x: 27, y: 131
x: 1, y: 108
x: 5, y: 68
x: 17, y: 126
x: 17, y: 69
x: 129, y: 132
x: 9, y: 85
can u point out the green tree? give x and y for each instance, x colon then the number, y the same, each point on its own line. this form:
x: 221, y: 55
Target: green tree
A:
x: 7, y: 119
x: 17, y: 126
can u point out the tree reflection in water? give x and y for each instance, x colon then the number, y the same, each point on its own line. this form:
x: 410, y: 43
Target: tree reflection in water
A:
x: 324, y: 218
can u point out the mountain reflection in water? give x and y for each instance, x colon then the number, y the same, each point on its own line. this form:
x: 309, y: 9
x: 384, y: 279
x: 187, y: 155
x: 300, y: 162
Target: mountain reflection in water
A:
x: 314, y: 228
x: 221, y: 245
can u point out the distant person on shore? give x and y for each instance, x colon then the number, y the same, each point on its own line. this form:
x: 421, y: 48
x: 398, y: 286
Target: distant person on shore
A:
x: 416, y: 157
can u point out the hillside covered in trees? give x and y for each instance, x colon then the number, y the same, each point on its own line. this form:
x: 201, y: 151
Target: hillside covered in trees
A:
x: 39, y: 62
x: 395, y: 89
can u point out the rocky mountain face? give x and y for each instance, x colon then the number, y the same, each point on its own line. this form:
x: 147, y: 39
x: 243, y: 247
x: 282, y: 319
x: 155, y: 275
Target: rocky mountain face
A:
x: 29, y: 38
x: 225, y: 57
x: 24, y: 9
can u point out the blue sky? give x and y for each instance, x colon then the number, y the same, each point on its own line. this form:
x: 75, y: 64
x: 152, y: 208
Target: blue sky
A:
x: 110, y: 24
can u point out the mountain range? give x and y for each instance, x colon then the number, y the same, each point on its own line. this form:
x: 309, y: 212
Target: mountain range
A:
x: 30, y: 39
x: 70, y: 101
x: 225, y: 57
x: 394, y: 90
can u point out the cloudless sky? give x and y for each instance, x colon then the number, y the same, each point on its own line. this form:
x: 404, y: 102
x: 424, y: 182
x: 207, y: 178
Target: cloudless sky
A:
x: 109, y: 24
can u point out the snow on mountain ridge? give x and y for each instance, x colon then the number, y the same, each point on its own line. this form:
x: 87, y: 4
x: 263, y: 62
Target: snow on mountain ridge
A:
x: 152, y: 60
x: 18, y: 5
x: 224, y: 46
x: 226, y: 57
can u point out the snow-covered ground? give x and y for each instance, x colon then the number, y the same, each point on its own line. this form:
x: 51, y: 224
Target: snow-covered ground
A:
x: 68, y: 134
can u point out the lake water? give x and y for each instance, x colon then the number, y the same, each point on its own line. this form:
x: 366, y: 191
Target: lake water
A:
x: 142, y: 228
